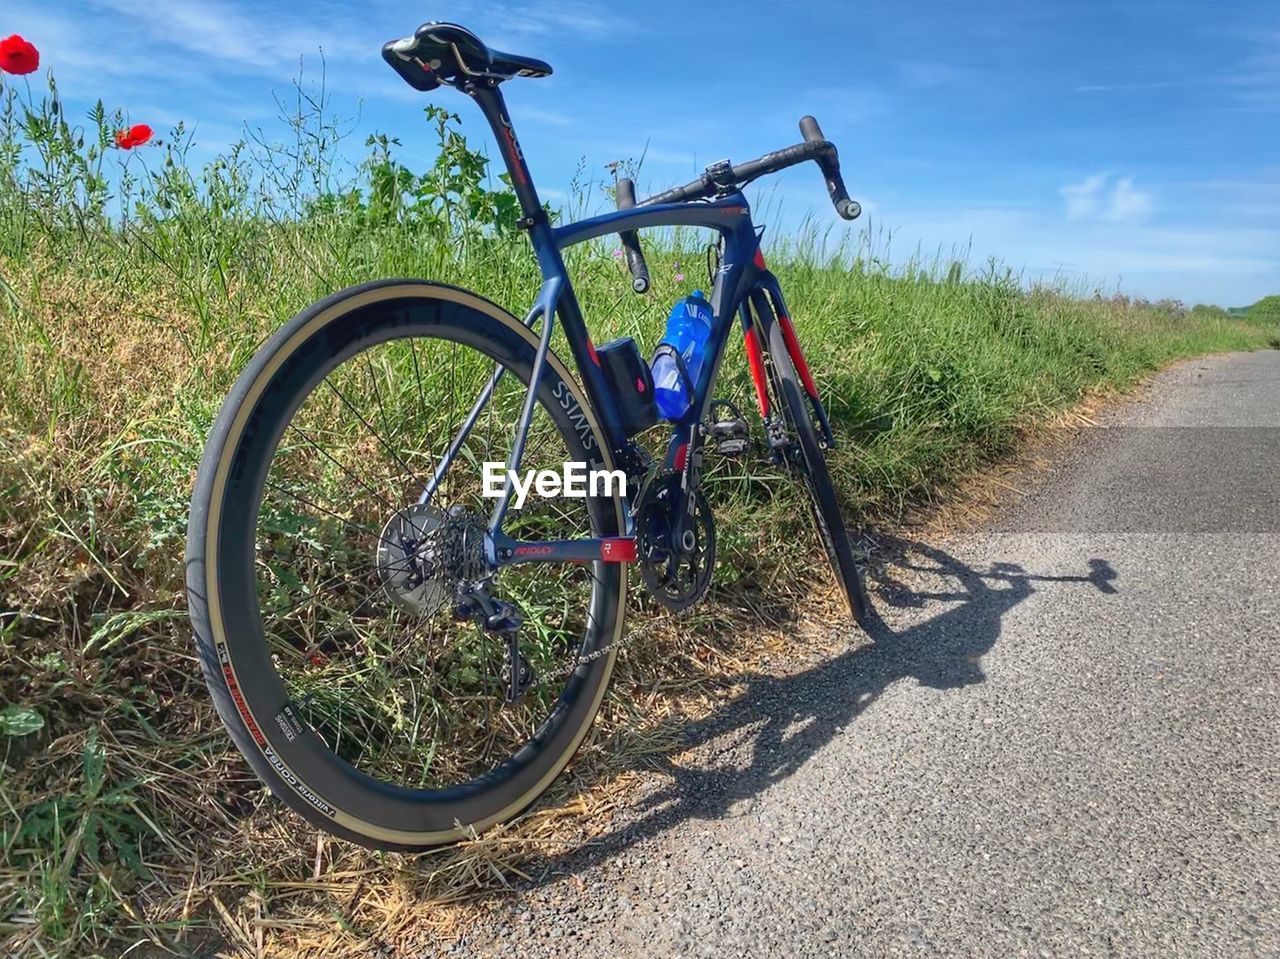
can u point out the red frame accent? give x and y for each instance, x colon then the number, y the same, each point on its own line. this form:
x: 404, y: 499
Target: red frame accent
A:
x: 619, y: 549
x: 797, y: 356
x: 682, y: 454
x: 755, y: 360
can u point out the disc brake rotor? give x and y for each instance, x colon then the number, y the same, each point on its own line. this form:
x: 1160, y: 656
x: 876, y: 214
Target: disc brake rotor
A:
x: 413, y: 560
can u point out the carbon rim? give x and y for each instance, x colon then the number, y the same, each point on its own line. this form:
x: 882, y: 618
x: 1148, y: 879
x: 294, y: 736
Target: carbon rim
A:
x: 282, y: 738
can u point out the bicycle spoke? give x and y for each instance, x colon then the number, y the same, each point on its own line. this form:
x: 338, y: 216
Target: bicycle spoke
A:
x: 329, y: 585
x: 346, y: 522
x: 378, y: 436
x: 385, y: 502
x: 415, y: 698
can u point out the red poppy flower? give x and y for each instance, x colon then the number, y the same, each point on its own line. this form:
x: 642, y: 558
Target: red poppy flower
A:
x: 18, y: 56
x: 135, y: 136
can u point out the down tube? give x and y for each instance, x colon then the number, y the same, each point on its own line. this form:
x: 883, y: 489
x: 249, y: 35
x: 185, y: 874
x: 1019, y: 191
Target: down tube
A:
x: 738, y: 273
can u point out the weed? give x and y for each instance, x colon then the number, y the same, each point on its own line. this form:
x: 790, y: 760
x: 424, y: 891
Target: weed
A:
x: 134, y: 288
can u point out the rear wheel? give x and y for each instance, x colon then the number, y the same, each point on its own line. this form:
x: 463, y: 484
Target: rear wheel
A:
x: 322, y: 591
x: 807, y: 458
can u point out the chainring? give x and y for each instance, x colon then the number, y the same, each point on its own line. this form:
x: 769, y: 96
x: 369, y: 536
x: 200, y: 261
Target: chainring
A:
x: 675, y: 579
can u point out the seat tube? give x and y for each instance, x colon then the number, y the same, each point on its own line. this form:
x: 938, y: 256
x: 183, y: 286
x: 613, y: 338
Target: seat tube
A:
x: 547, y: 250
x: 494, y: 106
x: 533, y: 217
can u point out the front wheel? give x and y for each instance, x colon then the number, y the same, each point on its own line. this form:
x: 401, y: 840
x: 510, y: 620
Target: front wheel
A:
x: 322, y: 582
x: 812, y: 466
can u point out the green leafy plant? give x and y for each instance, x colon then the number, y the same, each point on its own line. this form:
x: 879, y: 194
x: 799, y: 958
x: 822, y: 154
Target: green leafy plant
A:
x: 451, y: 196
x: 134, y: 287
x: 20, y: 721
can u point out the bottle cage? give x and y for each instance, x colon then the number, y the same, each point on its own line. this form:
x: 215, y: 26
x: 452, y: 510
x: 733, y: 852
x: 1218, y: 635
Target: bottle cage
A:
x: 668, y: 349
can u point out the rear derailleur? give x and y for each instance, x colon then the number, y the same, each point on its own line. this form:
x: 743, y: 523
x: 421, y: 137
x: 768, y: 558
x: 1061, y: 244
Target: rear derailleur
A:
x: 503, y: 619
x: 425, y: 555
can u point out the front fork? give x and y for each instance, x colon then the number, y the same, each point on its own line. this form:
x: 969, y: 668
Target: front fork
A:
x: 764, y: 307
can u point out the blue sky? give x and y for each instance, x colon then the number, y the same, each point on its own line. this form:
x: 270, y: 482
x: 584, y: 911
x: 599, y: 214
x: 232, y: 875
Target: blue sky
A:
x: 1121, y: 144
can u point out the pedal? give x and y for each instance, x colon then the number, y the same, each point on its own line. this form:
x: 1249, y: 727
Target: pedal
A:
x: 731, y: 437
x: 730, y: 433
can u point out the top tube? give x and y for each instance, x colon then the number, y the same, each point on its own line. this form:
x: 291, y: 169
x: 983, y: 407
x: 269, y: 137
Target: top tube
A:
x: 722, y: 215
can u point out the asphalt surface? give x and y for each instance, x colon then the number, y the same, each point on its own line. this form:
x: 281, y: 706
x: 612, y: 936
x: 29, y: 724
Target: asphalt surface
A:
x: 1063, y: 740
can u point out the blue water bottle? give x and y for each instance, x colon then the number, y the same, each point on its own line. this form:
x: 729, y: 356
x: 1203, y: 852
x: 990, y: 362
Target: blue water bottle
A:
x: 678, y: 359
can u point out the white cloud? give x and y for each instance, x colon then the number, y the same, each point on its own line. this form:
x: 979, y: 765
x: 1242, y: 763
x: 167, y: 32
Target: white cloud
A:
x: 555, y: 17
x: 1099, y: 197
x: 269, y: 41
x: 1137, y: 87
x: 1256, y: 84
x: 1084, y: 199
x: 223, y: 32
x: 1127, y: 204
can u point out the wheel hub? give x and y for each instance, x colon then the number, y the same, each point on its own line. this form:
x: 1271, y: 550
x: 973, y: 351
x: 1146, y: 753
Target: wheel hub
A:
x: 411, y: 560
x: 423, y: 554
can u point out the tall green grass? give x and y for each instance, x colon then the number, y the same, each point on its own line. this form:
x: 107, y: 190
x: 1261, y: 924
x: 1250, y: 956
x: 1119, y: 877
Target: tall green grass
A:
x: 133, y: 289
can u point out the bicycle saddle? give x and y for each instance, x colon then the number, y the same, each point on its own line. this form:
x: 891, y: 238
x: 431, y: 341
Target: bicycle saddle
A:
x: 447, y: 53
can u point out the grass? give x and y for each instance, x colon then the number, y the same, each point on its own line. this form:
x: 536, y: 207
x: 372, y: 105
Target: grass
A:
x: 134, y: 288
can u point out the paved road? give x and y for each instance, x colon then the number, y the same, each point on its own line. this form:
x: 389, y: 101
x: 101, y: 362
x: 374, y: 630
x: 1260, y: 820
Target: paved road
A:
x: 1064, y: 740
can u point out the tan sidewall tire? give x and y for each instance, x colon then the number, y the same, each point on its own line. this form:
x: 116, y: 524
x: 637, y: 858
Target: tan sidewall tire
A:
x: 261, y: 737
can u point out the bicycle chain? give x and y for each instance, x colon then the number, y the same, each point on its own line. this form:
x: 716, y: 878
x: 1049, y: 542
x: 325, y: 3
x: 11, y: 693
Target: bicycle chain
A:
x: 591, y: 657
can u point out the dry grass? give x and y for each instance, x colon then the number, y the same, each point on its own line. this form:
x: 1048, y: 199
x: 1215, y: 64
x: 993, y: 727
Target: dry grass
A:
x: 222, y: 869
x: 238, y: 876
x: 129, y: 821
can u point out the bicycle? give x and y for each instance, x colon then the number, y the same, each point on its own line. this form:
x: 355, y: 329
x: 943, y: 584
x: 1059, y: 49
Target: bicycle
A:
x: 399, y: 668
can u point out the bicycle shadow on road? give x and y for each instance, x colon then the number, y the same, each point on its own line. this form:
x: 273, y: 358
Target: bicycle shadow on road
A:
x: 779, y: 723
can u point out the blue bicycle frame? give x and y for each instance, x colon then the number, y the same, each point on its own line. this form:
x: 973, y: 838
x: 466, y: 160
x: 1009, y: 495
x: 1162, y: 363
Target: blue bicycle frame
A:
x: 742, y: 274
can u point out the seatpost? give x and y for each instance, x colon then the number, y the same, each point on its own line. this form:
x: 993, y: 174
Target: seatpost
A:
x: 533, y: 217
x: 491, y: 102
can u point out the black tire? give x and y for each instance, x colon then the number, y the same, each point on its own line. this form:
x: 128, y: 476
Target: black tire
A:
x: 250, y: 697
x: 812, y: 466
